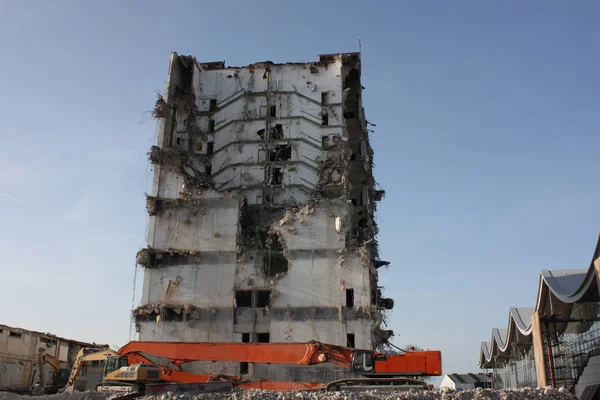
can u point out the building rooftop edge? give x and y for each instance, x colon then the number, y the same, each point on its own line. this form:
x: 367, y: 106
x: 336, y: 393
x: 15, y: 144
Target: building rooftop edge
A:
x: 322, y: 59
x: 50, y: 335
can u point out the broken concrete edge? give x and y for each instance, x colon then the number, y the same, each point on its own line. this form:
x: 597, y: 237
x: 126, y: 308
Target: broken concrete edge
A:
x: 157, y: 205
x: 160, y: 107
x: 186, y: 312
x: 174, y: 157
x: 323, y: 60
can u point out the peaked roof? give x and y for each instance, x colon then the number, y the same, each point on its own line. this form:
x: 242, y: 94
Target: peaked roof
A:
x: 563, y: 287
x: 468, y: 378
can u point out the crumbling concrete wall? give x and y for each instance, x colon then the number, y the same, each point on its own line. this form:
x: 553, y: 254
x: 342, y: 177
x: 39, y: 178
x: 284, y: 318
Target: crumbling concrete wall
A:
x: 261, y: 216
x: 202, y: 225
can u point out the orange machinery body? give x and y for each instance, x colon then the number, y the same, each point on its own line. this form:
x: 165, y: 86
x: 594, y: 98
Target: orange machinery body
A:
x: 425, y: 363
x: 412, y: 363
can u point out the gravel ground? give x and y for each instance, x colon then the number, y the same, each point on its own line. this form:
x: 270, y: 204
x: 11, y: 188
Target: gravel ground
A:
x: 64, y: 396
x: 506, y: 394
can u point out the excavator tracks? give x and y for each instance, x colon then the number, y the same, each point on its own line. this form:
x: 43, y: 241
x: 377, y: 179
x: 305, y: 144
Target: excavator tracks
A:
x: 381, y: 384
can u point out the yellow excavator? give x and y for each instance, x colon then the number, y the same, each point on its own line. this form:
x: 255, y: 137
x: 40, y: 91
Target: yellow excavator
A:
x: 58, y: 380
x: 84, y: 356
x: 117, y: 376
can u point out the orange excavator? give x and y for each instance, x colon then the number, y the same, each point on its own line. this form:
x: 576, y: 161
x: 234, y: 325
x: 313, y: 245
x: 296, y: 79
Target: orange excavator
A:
x: 367, y: 368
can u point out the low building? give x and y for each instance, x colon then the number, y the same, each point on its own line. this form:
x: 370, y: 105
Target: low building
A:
x: 20, y: 354
x: 557, y: 342
x: 466, y: 381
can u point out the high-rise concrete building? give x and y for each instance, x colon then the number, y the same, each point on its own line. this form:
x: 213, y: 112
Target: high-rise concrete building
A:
x: 262, y: 213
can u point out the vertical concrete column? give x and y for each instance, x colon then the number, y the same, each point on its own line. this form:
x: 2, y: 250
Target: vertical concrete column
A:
x: 538, y: 349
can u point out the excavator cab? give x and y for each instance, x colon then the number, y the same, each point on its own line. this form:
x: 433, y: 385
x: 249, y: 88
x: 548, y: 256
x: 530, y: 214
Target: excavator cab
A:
x: 363, y: 362
x: 119, y: 376
x: 113, y: 363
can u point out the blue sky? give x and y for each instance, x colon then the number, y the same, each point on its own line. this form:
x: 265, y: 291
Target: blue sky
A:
x: 486, y: 141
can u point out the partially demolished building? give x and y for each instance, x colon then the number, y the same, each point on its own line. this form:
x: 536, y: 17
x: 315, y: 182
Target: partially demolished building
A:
x: 262, y: 213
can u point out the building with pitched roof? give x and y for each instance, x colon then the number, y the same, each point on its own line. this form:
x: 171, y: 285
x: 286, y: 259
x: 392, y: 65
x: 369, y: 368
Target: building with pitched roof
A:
x: 466, y: 381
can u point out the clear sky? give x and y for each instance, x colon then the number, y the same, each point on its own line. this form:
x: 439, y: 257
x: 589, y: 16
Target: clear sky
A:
x: 486, y: 140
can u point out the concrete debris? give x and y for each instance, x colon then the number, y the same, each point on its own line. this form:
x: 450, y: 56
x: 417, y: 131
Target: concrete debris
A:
x: 63, y: 396
x: 444, y: 394
x: 288, y: 217
x: 307, y: 209
x: 143, y: 257
x: 156, y: 205
x: 184, y: 164
x: 172, y: 312
x: 151, y: 205
x: 166, y: 157
x: 159, y: 108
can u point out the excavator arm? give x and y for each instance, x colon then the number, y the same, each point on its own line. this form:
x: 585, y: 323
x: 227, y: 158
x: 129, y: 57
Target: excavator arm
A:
x: 173, y: 375
x: 180, y: 353
x: 45, y: 358
x: 363, y: 362
x: 368, y: 367
x: 50, y: 360
x: 81, y: 358
x: 169, y: 374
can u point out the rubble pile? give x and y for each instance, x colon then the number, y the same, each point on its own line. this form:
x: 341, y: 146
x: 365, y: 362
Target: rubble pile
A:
x: 63, y: 396
x: 444, y: 394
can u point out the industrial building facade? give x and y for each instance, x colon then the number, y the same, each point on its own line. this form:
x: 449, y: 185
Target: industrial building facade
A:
x: 262, y: 212
x: 20, y: 357
x: 557, y: 342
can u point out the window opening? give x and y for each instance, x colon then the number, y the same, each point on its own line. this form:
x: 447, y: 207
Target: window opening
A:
x: 262, y: 298
x: 208, y: 169
x: 274, y: 261
x: 325, y: 118
x: 243, y: 298
x: 276, y: 176
x: 350, y: 340
x: 243, y: 368
x: 281, y: 153
x: 213, y: 104
x: 211, y: 125
x: 350, y: 298
x: 263, y: 337
x: 14, y: 334
x: 324, y: 98
x: 244, y: 365
x: 276, y: 133
x: 210, y: 147
x: 273, y: 111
